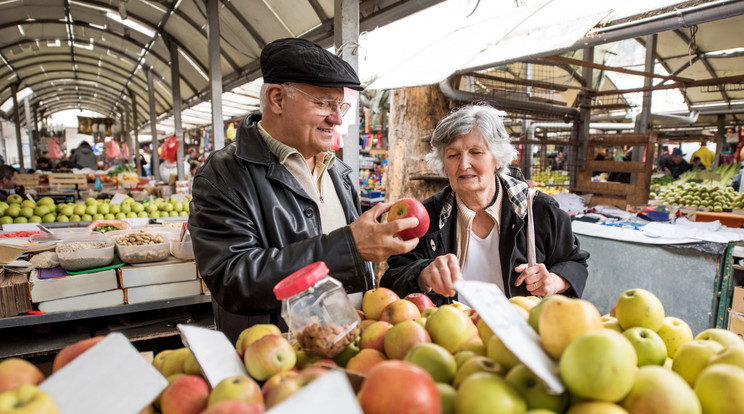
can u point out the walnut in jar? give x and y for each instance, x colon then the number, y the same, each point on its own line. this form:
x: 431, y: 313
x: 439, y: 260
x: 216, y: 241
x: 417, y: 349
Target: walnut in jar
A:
x: 327, y: 340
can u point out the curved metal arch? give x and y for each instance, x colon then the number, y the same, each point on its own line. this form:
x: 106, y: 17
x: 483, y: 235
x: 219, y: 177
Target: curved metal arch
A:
x: 102, y: 68
x: 155, y: 29
x: 66, y: 106
x: 164, y: 101
x: 52, y: 89
x: 85, y: 73
x: 98, y: 29
x: 87, y: 94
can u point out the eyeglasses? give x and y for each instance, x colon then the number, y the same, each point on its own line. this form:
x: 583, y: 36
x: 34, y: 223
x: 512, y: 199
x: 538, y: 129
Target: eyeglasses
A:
x: 327, y: 106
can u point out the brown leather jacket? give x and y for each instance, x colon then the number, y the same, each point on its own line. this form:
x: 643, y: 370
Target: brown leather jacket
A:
x: 252, y: 225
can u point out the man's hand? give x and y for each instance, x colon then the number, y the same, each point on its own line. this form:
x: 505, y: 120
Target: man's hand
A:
x: 376, y: 241
x: 440, y: 275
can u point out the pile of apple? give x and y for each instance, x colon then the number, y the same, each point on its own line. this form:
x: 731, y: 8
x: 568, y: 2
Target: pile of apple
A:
x: 18, y: 210
x: 417, y: 358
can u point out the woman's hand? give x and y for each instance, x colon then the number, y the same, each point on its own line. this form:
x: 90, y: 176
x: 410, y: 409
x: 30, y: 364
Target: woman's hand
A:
x: 540, y: 282
x: 440, y: 275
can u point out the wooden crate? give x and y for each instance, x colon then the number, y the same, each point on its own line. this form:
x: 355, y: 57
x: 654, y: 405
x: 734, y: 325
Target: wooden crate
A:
x: 614, y: 193
x: 28, y: 180
x: 67, y: 180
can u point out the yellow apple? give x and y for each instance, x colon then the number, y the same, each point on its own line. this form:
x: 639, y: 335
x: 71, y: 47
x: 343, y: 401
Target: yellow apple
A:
x: 659, y: 391
x: 649, y: 346
x: 375, y: 300
x: 564, y: 319
x: 596, y: 407
x: 484, y: 392
x: 498, y: 352
x: 27, y: 399
x: 450, y: 328
x: 610, y: 322
x: 722, y: 336
x: 534, y: 390
x: 534, y: 317
x: 692, y: 358
x: 239, y: 388
x: 719, y: 389
x: 599, y: 366
x: 525, y: 302
x: 447, y: 395
x: 477, y: 364
x: 433, y: 358
x: 639, y: 307
x: 15, y: 372
x: 733, y: 355
x: 402, y: 337
x: 255, y: 332
x: 269, y: 355
x: 674, y: 332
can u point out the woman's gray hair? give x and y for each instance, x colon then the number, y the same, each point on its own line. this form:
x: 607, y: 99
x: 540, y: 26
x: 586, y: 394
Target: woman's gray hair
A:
x: 463, y: 120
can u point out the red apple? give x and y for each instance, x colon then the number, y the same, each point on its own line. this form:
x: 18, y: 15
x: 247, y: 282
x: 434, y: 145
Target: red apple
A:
x: 399, y: 311
x: 387, y: 390
x: 365, y: 360
x: 71, y: 352
x: 188, y: 394
x: 409, y: 207
x: 402, y: 337
x: 15, y: 372
x: 374, y: 336
x: 234, y: 407
x: 420, y: 300
x: 375, y: 300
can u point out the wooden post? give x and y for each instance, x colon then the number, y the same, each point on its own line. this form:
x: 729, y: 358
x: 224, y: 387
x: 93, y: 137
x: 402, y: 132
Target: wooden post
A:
x: 414, y: 113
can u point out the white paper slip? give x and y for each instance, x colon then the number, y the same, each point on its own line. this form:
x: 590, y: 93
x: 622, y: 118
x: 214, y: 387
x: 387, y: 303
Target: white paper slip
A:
x: 111, y: 377
x: 330, y: 393
x: 117, y: 198
x: 216, y: 356
x: 516, y: 334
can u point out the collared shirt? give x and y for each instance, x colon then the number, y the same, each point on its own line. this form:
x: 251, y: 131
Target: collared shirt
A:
x: 465, y: 217
x: 317, y: 184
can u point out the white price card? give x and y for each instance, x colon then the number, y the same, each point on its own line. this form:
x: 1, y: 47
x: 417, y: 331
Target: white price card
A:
x: 516, y: 334
x: 111, y: 377
x: 117, y: 198
x: 214, y: 353
x: 331, y: 393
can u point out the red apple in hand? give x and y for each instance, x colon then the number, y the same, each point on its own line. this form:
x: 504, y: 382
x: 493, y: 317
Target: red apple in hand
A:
x: 420, y: 300
x: 409, y: 207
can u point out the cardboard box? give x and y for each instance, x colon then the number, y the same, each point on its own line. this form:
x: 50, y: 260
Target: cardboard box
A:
x: 736, y: 323
x: 737, y: 303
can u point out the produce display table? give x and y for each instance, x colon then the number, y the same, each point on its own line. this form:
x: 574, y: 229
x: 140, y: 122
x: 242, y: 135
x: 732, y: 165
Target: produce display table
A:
x: 694, y: 281
x: 33, y: 335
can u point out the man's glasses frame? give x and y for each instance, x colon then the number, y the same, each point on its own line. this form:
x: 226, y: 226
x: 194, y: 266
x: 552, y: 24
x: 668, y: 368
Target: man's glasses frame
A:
x: 326, y: 105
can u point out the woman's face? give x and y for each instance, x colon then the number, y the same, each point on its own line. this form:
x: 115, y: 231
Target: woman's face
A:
x: 469, y: 164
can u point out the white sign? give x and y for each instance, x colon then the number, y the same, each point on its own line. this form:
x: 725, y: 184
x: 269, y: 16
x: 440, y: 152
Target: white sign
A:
x: 516, y: 334
x: 111, y: 377
x: 330, y: 393
x: 117, y: 198
x: 217, y: 357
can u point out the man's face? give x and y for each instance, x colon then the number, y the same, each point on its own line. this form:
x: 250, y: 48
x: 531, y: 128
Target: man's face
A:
x: 677, y: 159
x: 309, y: 125
x: 9, y: 183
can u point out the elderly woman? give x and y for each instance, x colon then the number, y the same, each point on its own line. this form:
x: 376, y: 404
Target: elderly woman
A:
x: 478, y: 222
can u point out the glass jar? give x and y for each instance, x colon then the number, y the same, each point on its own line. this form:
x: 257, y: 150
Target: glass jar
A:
x: 317, y: 311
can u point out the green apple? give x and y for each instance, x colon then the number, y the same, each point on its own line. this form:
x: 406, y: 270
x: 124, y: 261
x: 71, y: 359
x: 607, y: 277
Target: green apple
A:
x: 238, y: 388
x: 91, y: 209
x: 599, y: 366
x: 173, y: 362
x: 732, y: 355
x: 86, y: 217
x: 120, y: 216
x: 477, y: 364
x: 137, y: 207
x: 63, y: 219
x: 191, y: 366
x: 596, y: 407
x: 255, y: 332
x: 131, y: 214
x: 125, y: 208
x: 28, y: 203
x: 649, y: 346
x: 20, y: 219
x: 639, y: 307
x: 484, y: 331
x: 35, y: 219
x: 658, y: 390
x: 109, y: 216
x: 49, y: 201
x: 67, y: 211
x: 692, y: 357
x: 433, y: 358
x: 27, y: 212
x: 267, y: 356
x: 14, y: 199
x: 75, y: 217
x: 447, y: 394
x: 6, y: 220
x: 4, y: 205
x: 343, y: 357
x: 49, y: 218
x: 114, y: 208
x: 90, y: 201
x: 402, y: 337
x: 104, y: 208
x: 14, y: 210
x: 483, y: 392
x: 450, y: 328
x: 722, y: 336
x: 27, y: 399
x: 463, y: 356
x: 719, y: 389
x: 674, y: 332
x: 534, y: 390
x: 41, y: 210
x: 498, y: 352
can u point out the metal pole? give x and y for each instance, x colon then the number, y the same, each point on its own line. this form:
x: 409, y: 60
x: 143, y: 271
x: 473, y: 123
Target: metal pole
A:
x: 346, y: 36
x: 154, y: 157
x: 135, y: 151
x: 215, y: 73
x: 17, y: 121
x: 176, y: 87
x: 643, y: 123
x: 30, y: 133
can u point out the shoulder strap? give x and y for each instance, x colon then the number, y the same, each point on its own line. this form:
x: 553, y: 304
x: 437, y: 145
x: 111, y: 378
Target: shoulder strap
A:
x: 531, y: 259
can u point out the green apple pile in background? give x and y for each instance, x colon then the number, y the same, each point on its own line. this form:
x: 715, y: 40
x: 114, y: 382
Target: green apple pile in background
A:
x: 19, y: 210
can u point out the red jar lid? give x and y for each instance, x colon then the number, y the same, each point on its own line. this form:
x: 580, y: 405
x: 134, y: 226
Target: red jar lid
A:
x: 300, y: 280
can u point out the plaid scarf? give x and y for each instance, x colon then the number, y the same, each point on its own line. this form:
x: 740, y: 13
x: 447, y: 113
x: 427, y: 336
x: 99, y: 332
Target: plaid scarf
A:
x: 516, y: 191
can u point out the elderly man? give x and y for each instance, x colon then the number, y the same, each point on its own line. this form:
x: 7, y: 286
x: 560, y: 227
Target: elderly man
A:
x: 276, y: 199
x: 677, y: 166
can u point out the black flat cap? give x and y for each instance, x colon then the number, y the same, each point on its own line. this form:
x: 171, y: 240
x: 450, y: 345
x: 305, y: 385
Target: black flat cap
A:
x: 302, y: 61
